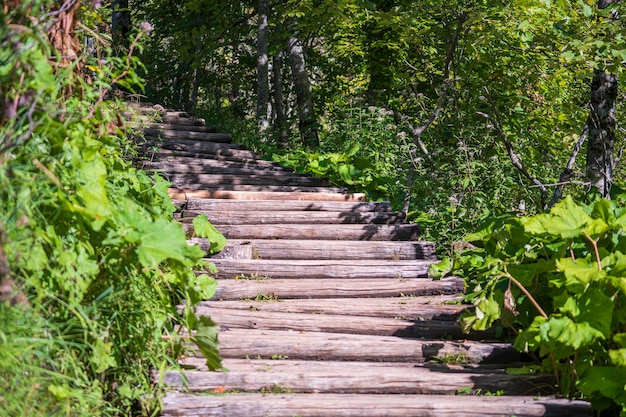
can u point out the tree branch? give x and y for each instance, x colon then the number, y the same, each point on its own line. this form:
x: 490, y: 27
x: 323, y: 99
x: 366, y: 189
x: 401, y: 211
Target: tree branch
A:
x: 515, y: 160
x: 565, y: 176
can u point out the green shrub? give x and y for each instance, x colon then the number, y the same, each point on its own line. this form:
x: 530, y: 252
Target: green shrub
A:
x: 557, y: 281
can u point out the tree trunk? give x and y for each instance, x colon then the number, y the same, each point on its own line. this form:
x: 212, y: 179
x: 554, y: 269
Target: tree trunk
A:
x: 304, y: 96
x: 280, y: 123
x: 602, y: 124
x: 120, y: 26
x: 262, y: 64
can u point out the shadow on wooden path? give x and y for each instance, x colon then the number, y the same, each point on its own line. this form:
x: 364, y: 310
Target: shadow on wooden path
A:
x: 324, y: 300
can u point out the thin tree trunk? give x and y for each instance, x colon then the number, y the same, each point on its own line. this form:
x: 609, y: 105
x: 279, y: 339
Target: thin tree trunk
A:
x: 280, y: 123
x: 304, y: 95
x: 602, y: 124
x: 262, y: 64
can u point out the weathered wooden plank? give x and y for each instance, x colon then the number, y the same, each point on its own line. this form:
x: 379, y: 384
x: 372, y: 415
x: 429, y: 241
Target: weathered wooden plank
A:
x: 254, y: 188
x: 296, y: 217
x: 335, y: 323
x: 359, y: 405
x: 323, y: 249
x: 183, y: 194
x: 439, y: 307
x: 228, y: 149
x: 189, y: 128
x: 287, y: 205
x: 217, y: 167
x: 182, y: 157
x: 338, y: 269
x: 333, y: 288
x: 292, y: 376
x: 253, y: 343
x: 375, y: 232
x: 178, y: 134
x: 237, y: 179
x: 181, y: 118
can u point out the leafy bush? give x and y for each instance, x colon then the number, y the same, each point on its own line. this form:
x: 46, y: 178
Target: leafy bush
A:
x: 91, y: 249
x: 557, y: 280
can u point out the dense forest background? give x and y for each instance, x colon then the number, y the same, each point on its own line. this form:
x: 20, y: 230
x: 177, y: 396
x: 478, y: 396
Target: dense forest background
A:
x: 452, y: 110
x: 468, y: 115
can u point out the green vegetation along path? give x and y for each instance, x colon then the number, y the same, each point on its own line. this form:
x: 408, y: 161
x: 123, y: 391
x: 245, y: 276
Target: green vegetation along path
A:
x: 324, y: 300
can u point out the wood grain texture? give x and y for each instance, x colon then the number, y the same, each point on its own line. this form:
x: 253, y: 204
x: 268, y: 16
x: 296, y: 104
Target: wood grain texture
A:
x: 360, y: 405
x: 325, y: 249
x: 296, y: 217
x: 246, y: 375
x: 375, y: 232
x: 182, y: 194
x: 222, y: 205
x: 332, y: 288
x: 438, y: 307
x: 338, y: 269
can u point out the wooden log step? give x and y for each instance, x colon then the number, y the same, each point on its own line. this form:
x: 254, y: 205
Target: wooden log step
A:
x: 335, y: 323
x: 359, y: 405
x: 292, y: 376
x: 185, y: 194
x: 184, y: 157
x: 218, y: 167
x: 322, y: 249
x: 181, y: 118
x: 191, y: 185
x: 375, y: 232
x: 278, y: 289
x: 438, y: 307
x: 179, y: 134
x: 338, y: 269
x: 160, y: 153
x: 287, y: 179
x: 287, y: 205
x: 253, y: 343
x: 212, y: 148
x: 295, y: 217
x: 189, y: 128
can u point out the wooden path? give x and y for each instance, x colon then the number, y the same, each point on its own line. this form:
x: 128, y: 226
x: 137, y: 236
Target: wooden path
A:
x: 324, y: 301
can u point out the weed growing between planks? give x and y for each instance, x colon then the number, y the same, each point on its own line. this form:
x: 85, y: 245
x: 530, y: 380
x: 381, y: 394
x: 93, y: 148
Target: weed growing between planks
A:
x: 89, y: 240
x: 558, y: 282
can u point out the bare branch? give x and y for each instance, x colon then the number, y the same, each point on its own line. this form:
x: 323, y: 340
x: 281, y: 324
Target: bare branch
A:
x: 515, y: 160
x: 565, y: 176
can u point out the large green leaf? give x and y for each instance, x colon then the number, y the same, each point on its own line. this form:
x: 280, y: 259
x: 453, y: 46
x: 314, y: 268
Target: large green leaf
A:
x: 207, y: 341
x: 204, y: 228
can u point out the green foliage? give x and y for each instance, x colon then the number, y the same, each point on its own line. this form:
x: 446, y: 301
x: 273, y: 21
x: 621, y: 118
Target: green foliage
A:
x: 557, y: 280
x: 203, y: 228
x: 90, y: 242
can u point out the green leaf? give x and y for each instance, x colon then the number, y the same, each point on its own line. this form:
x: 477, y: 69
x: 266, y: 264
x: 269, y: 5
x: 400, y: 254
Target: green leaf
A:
x: 579, y: 273
x: 566, y: 219
x: 441, y: 269
x: 203, y: 228
x: 163, y: 240
x: 207, y: 341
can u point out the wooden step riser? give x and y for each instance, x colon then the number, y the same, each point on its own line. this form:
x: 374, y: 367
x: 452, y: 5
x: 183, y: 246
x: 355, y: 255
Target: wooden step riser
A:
x: 322, y: 249
x: 294, y: 217
x: 310, y: 198
x: 411, y: 308
x: 231, y: 268
x: 219, y: 167
x: 359, y: 405
x: 261, y: 181
x: 186, y: 135
x: 269, y: 205
x: 255, y: 188
x: 181, y: 157
x: 211, y: 148
x: 252, y: 343
x: 184, y: 128
x: 333, y: 288
x: 357, y: 378
x: 369, y: 232
x: 330, y: 323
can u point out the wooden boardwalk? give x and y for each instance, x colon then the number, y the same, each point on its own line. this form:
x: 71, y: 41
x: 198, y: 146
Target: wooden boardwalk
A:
x: 324, y: 301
